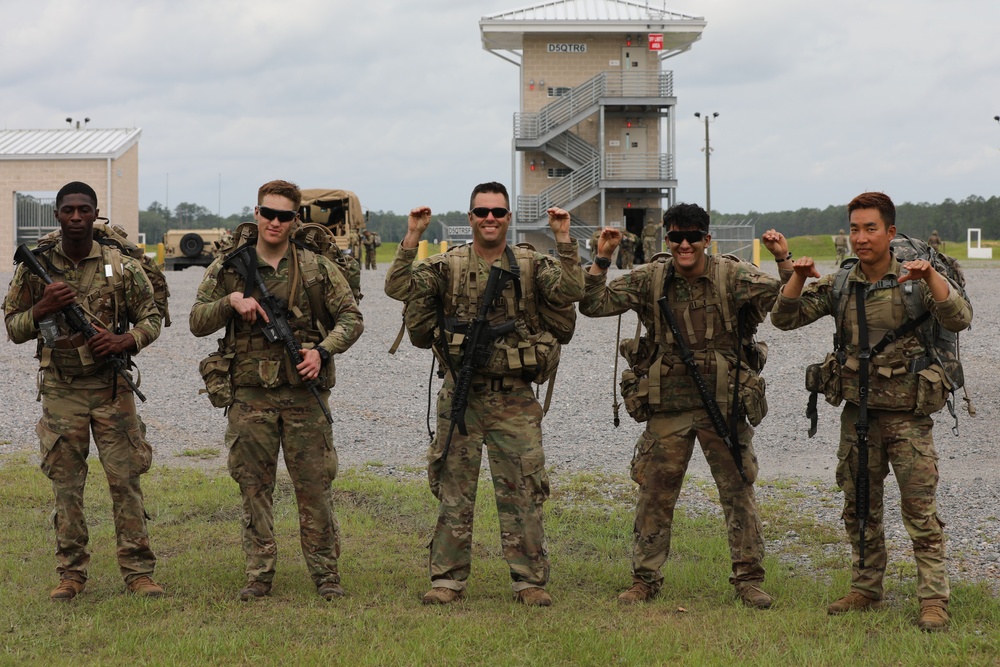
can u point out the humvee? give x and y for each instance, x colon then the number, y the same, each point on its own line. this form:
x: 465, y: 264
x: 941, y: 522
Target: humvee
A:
x: 340, y: 211
x: 190, y: 247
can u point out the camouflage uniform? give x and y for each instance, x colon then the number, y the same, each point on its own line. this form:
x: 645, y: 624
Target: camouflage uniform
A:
x: 274, y: 410
x: 593, y: 243
x: 897, y: 436
x: 370, y: 242
x: 664, y: 449
x: 840, y: 244
x: 935, y: 241
x: 627, y: 249
x: 652, y: 242
x: 502, y: 413
x: 81, y: 394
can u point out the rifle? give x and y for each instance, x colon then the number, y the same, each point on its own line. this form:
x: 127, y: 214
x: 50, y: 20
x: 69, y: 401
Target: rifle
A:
x: 276, y: 329
x: 861, y: 425
x: 478, y: 348
x: 74, y: 316
x: 707, y: 397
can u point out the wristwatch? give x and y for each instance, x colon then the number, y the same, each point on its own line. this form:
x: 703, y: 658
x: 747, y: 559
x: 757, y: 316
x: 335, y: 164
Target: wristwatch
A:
x: 788, y: 258
x: 602, y: 262
x: 324, y: 356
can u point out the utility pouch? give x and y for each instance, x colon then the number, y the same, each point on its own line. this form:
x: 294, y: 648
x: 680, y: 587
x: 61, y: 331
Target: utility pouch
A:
x: 832, y: 385
x: 215, y: 371
x: 932, y: 392
x: 814, y: 378
x: 753, y: 397
x: 635, y: 393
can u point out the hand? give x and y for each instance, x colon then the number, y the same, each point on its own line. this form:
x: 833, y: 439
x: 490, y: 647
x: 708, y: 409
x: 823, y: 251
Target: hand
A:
x: 247, y: 308
x: 608, y: 242
x: 559, y: 223
x: 55, y: 297
x: 419, y: 219
x: 805, y: 267
x: 106, y: 344
x: 918, y: 269
x: 776, y: 243
x: 311, y: 364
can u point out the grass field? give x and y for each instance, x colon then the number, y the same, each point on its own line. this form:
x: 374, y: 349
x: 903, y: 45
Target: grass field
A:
x: 386, y: 524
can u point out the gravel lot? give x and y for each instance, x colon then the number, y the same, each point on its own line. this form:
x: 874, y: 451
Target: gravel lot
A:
x: 380, y: 403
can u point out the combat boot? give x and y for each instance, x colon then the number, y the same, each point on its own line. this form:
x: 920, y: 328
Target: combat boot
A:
x: 933, y: 615
x: 534, y: 597
x: 753, y: 596
x: 66, y: 590
x: 145, y: 587
x: 853, y: 601
x: 255, y: 590
x: 441, y: 595
x: 639, y: 592
x: 329, y: 590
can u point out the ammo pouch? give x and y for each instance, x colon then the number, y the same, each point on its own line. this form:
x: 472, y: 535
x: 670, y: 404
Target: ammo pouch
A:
x: 535, y: 359
x: 826, y: 379
x: 635, y: 393
x: 753, y: 401
x: 218, y: 378
x: 932, y: 391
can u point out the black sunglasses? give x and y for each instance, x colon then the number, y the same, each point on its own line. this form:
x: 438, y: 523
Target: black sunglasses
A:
x: 269, y: 213
x: 483, y: 211
x: 691, y: 236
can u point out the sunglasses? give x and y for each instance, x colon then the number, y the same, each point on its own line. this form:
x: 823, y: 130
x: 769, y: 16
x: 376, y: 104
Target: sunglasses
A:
x: 691, y: 236
x: 483, y: 211
x: 269, y: 213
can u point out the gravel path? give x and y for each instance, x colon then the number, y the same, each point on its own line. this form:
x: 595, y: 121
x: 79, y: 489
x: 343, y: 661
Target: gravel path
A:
x: 380, y: 403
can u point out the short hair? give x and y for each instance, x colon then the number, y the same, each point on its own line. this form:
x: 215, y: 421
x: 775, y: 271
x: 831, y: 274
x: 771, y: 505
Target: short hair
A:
x: 285, y: 189
x: 491, y: 187
x: 686, y: 216
x: 76, y: 188
x: 876, y: 200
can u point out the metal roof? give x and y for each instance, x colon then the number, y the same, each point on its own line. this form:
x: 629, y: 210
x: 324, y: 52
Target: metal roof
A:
x: 68, y: 144
x: 592, y: 10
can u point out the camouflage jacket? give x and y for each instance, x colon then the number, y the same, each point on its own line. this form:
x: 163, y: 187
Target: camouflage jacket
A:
x: 95, y: 291
x: 211, y: 310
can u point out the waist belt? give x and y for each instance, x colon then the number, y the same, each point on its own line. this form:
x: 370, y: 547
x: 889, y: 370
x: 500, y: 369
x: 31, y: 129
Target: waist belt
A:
x: 495, y: 384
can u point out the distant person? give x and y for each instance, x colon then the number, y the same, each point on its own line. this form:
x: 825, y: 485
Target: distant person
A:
x: 371, y: 241
x: 80, y: 390
x: 626, y: 251
x: 905, y: 386
x: 593, y: 244
x: 652, y: 242
x: 935, y: 241
x: 840, y: 244
x: 271, y: 408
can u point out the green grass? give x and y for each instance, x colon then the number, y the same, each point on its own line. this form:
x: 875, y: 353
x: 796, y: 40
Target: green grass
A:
x: 201, y: 453
x: 386, y: 524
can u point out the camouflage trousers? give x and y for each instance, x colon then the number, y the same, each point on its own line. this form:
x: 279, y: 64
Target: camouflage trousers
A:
x: 262, y: 421
x: 69, y: 414
x: 649, y: 248
x: 841, y: 255
x: 661, y: 458
x: 370, y: 258
x: 627, y: 258
x: 905, y: 442
x: 510, y: 423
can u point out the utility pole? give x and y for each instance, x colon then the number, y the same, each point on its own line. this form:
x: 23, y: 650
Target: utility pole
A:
x: 708, y: 153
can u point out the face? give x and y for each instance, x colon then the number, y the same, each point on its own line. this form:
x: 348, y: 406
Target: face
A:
x: 689, y: 258
x: 274, y: 231
x: 76, y: 215
x: 869, y: 236
x: 490, y: 231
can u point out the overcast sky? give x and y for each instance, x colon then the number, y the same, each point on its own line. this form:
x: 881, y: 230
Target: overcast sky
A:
x: 397, y: 100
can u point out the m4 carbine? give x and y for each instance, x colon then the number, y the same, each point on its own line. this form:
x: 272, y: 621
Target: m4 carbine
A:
x: 276, y: 329
x: 74, y: 316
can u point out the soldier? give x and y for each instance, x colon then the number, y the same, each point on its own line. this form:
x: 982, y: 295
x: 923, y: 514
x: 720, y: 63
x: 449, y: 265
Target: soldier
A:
x: 81, y: 391
x: 593, y: 243
x: 502, y: 409
x: 371, y: 242
x: 935, y: 241
x: 899, y: 421
x: 840, y: 244
x: 271, y: 407
x: 706, y: 293
x: 354, y: 245
x: 626, y: 254
x: 651, y: 243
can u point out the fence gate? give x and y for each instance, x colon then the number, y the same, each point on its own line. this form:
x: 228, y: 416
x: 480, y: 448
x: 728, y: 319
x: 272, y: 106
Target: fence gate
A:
x: 33, y: 217
x: 734, y: 239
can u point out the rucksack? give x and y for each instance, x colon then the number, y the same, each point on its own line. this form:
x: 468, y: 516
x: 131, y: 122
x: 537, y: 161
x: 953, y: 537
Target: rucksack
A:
x: 114, y: 236
x: 311, y: 236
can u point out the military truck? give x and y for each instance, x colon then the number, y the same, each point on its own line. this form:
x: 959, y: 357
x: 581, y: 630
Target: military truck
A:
x: 190, y: 247
x: 340, y: 211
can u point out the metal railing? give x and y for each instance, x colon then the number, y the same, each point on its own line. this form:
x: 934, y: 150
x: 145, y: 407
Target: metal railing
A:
x: 531, y: 207
x: 639, y: 166
x: 33, y: 218
x: 572, y: 146
x: 734, y: 239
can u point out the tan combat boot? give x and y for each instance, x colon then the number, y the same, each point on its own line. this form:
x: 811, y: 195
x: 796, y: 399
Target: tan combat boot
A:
x: 639, y: 592
x: 66, y: 590
x: 933, y: 615
x: 534, y: 597
x: 145, y: 587
x: 853, y: 601
x: 441, y: 595
x: 753, y: 596
x: 255, y: 590
x: 329, y: 590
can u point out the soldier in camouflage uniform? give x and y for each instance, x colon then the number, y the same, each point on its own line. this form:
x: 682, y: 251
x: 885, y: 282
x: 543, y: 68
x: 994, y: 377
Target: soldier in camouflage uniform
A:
x: 593, y: 244
x: 272, y: 409
x: 502, y: 410
x: 627, y: 248
x: 840, y: 245
x: 371, y: 242
x: 80, y: 390
x: 678, y: 414
x: 897, y: 435
x: 935, y: 241
x: 651, y: 243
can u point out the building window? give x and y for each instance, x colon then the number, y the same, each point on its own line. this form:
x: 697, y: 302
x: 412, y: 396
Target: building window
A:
x: 560, y: 172
x: 559, y: 92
